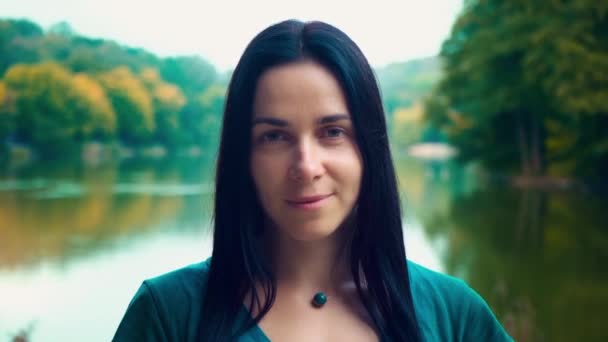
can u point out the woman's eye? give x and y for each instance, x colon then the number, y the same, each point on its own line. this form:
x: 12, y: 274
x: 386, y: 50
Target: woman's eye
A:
x: 334, y: 132
x: 271, y: 137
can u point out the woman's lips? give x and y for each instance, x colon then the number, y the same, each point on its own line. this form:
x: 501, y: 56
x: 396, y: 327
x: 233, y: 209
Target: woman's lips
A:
x: 308, y: 202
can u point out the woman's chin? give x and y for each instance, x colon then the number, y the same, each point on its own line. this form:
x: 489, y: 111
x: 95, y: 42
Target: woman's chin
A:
x: 310, y: 232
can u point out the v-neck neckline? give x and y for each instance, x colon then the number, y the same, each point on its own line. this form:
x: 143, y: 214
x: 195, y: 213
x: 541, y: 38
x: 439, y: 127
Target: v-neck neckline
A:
x: 256, y: 331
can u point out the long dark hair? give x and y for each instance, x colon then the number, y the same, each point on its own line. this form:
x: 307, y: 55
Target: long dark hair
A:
x: 377, y: 258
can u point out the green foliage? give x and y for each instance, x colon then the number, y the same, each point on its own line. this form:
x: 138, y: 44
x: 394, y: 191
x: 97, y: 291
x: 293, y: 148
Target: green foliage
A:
x: 92, y: 102
x: 403, y: 87
x: 540, y: 248
x: 17, y: 45
x: 97, y: 55
x: 168, y: 101
x: 62, y: 29
x: 407, y: 126
x: 521, y: 75
x: 191, y: 74
x: 61, y: 89
x: 132, y: 103
x: 203, y: 115
x: 7, y: 113
x: 404, y: 84
x: 212, y: 105
x: 53, y: 109
x: 45, y: 115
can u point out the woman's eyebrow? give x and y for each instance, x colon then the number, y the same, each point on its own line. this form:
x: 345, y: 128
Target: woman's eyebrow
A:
x: 282, y: 123
x: 332, y: 118
x: 269, y: 121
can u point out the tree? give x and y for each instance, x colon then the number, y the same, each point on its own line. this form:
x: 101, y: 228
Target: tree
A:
x: 44, y: 116
x: 192, y: 74
x: 96, y: 89
x: 7, y: 114
x: 62, y: 28
x: 132, y: 104
x: 54, y: 110
x: 201, y: 117
x: 404, y: 84
x: 212, y: 103
x: 168, y: 101
x: 17, y: 42
x: 522, y: 74
x: 92, y: 103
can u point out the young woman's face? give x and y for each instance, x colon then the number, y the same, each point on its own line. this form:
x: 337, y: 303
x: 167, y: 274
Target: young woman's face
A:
x: 305, y: 162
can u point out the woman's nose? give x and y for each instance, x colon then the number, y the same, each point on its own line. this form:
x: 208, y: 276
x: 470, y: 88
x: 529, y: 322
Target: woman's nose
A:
x: 306, y: 164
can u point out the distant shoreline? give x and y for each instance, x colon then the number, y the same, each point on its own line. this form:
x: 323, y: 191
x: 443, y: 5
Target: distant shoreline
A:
x: 94, y: 153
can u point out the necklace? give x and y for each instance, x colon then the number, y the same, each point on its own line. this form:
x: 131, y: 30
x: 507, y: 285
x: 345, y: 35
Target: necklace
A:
x: 319, y: 300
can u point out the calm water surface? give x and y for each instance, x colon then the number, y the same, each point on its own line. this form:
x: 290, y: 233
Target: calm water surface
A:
x: 76, y: 242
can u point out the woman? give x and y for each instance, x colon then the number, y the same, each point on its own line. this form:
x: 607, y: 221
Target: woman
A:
x: 308, y: 242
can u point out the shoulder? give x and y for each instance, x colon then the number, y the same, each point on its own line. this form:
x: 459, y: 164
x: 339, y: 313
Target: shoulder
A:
x: 178, y: 290
x: 439, y: 296
x: 449, y: 309
x: 166, y: 307
x: 186, y: 279
x: 435, y: 286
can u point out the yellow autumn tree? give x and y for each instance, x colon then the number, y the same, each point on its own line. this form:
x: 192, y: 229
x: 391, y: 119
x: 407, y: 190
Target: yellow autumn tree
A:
x: 168, y: 100
x: 44, y: 114
x: 132, y: 103
x: 91, y: 99
x: 55, y: 110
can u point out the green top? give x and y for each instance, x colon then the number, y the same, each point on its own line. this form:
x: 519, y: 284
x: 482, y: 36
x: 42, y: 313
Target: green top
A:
x: 168, y: 308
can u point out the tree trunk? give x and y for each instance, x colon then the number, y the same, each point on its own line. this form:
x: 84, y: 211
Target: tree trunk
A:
x: 537, y: 145
x: 523, y: 144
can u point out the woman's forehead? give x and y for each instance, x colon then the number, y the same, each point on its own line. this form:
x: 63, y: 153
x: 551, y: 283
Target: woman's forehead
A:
x: 298, y: 88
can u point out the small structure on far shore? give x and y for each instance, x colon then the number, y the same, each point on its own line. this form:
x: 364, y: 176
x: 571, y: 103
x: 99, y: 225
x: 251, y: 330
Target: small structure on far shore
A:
x: 432, y: 151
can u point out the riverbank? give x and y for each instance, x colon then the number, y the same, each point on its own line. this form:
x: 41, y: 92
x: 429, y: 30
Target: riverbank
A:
x: 438, y: 152
x: 547, y: 183
x: 94, y: 153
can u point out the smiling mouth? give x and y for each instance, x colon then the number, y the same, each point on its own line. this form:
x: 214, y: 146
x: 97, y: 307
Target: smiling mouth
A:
x: 309, y: 202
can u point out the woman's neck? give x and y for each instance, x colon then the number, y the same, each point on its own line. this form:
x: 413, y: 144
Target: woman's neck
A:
x: 312, y: 266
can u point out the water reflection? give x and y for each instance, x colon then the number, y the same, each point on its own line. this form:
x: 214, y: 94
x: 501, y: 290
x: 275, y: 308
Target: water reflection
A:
x: 72, y: 211
x: 538, y: 258
x: 77, y: 239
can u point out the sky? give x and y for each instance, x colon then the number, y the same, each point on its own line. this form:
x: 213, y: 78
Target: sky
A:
x: 387, y: 31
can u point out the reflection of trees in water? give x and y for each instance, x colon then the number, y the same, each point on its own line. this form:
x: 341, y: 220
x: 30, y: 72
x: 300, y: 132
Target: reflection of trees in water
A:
x: 79, y: 211
x: 531, y: 213
x: 538, y: 259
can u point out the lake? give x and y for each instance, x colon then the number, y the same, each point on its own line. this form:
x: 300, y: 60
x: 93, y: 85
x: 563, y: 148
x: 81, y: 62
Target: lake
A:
x: 76, y: 241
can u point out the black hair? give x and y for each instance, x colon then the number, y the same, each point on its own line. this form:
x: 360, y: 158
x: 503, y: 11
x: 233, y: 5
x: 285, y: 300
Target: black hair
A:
x: 377, y: 257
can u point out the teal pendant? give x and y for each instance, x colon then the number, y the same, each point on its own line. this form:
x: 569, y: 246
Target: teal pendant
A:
x: 319, y: 300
